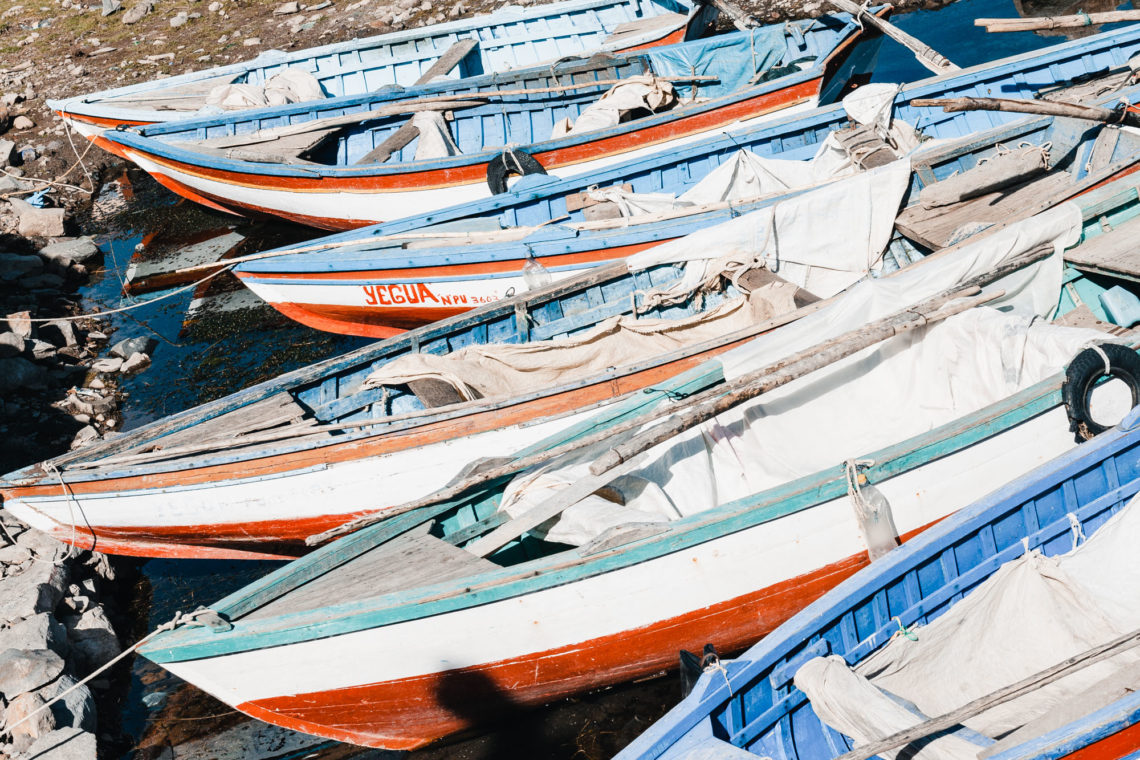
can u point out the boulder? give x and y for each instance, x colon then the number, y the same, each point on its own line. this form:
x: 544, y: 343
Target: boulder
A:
x: 23, y: 671
x: 13, y: 266
x: 23, y: 122
x: 7, y: 150
x: 110, y: 6
x: 135, y: 363
x: 18, y: 372
x: 11, y: 344
x: 60, y: 332
x: 40, y: 349
x: 38, y: 222
x: 179, y: 19
x: 63, y: 744
x: 78, y: 250
x: 37, y: 588
x: 110, y: 364
x: 93, y: 640
x: 77, y: 709
x: 39, y: 631
x: 21, y: 323
x: 137, y: 11
x: 36, y: 721
x: 86, y: 435
x: 144, y: 344
x: 286, y: 8
x: 44, y: 281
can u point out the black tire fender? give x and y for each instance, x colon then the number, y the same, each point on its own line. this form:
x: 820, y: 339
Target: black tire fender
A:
x: 1085, y: 371
x: 513, y: 161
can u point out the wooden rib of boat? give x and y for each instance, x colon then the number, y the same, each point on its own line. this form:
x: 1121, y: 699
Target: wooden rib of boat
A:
x: 754, y: 707
x: 520, y: 622
x: 353, y: 282
x: 510, y: 37
x: 345, y: 163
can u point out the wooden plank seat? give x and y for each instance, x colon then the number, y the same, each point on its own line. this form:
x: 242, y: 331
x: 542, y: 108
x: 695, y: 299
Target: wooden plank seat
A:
x: 1115, y: 255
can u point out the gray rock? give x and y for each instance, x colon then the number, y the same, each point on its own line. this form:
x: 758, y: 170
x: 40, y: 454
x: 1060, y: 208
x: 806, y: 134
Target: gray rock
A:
x: 85, y: 436
x: 11, y: 344
x: 135, y: 363
x: 93, y: 640
x: 39, y: 631
x: 23, y: 122
x: 37, y: 722
x: 144, y: 344
x: 7, y: 150
x: 45, y: 281
x: 18, y: 372
x: 40, y: 349
x: 110, y: 6
x: 14, y: 554
x: 21, y: 323
x: 286, y: 8
x: 79, y: 250
x: 63, y: 744
x: 13, y: 266
x: 96, y: 335
x: 137, y: 11
x: 179, y: 19
x: 110, y: 364
x: 38, y: 222
x: 77, y: 709
x: 23, y: 671
x: 60, y: 332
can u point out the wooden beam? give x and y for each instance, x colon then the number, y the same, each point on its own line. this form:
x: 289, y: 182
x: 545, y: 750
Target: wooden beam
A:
x: 1039, y: 23
x: 448, y: 61
x: 1039, y: 107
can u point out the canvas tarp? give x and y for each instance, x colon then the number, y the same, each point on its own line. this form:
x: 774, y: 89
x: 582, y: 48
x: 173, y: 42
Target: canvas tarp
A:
x: 732, y: 58
x: 434, y: 140
x: 288, y: 86
x: 1031, y: 614
x: 900, y: 388
x: 496, y: 370
x: 791, y: 239
x: 641, y: 92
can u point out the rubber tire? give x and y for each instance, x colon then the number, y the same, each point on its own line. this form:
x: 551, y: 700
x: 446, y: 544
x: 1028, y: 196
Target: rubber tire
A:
x: 1086, y: 369
x: 503, y: 166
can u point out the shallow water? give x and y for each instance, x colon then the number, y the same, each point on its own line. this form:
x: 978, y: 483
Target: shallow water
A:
x: 214, y: 339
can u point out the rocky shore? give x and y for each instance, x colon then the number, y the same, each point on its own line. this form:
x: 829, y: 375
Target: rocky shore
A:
x: 53, y: 632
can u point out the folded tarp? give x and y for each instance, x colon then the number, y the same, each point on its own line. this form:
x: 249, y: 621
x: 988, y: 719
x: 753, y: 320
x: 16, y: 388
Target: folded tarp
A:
x: 732, y: 59
x: 497, y: 370
x: 1031, y: 614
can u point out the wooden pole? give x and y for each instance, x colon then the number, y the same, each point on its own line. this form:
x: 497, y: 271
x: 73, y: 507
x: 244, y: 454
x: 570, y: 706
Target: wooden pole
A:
x: 926, y: 55
x: 519, y: 464
x: 1039, y: 23
x: 1039, y: 107
x: 999, y: 697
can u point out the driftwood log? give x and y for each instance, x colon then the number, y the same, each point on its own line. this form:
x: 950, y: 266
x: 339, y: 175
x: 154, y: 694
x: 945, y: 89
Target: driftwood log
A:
x: 1040, y: 23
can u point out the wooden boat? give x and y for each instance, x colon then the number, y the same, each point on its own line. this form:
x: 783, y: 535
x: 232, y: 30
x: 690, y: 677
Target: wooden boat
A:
x: 510, y: 37
x: 253, y: 474
x: 353, y: 282
x: 1011, y: 538
x: 440, y: 618
x: 345, y: 163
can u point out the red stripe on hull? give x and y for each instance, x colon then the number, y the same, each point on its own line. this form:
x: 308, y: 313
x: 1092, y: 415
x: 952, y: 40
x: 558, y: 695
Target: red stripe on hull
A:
x: 677, y: 35
x: 411, y: 712
x: 364, y: 321
x: 1121, y: 744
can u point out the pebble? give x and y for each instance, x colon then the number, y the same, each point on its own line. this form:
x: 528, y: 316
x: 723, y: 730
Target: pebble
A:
x: 110, y: 364
x: 179, y: 19
x: 134, y: 363
x: 287, y: 8
x: 143, y: 344
x: 251, y: 41
x: 214, y: 7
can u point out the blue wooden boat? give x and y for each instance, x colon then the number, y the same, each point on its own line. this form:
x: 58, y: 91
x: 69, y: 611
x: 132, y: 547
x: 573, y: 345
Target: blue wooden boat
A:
x: 510, y: 37
x: 484, y: 625
x: 348, y: 162
x: 341, y: 283
x: 753, y: 706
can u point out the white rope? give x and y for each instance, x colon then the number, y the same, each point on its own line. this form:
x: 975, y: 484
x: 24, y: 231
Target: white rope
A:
x: 71, y: 500
x: 139, y: 305
x: 851, y: 471
x: 714, y: 665
x: 1103, y: 357
x: 177, y: 620
x: 1075, y: 526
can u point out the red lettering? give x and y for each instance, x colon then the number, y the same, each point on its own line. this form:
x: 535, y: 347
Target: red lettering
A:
x: 446, y: 301
x: 370, y: 295
x: 395, y: 294
x: 411, y: 294
x: 425, y: 294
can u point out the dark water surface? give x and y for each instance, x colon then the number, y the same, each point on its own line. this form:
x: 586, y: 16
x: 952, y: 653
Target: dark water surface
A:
x: 230, y: 342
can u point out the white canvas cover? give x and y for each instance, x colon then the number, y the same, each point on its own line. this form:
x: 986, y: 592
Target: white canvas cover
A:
x: 289, y: 86
x: 1031, y: 614
x: 790, y: 239
x: 633, y: 93
x: 497, y: 370
x: 897, y: 389
x: 434, y: 140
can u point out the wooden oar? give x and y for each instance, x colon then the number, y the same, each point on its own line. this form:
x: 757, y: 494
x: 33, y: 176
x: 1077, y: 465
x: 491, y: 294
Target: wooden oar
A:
x: 999, y: 697
x: 1038, y: 107
x: 926, y: 55
x: 520, y: 463
x: 626, y: 457
x: 1037, y: 23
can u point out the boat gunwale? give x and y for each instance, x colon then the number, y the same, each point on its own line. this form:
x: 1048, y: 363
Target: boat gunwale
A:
x: 555, y: 570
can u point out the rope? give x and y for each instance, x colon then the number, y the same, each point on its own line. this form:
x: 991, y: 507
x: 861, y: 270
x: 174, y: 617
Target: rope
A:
x: 79, y: 158
x: 1086, y: 17
x: 177, y: 620
x: 1078, y: 532
x: 1103, y: 357
x: 510, y: 150
x: 130, y: 307
x: 851, y: 472
x: 903, y: 631
x: 51, y: 467
x: 715, y: 665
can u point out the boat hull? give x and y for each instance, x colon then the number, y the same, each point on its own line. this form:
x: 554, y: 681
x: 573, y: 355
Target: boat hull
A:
x: 405, y: 684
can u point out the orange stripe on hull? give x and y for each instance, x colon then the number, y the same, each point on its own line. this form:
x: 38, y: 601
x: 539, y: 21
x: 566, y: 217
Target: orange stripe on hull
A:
x: 1114, y: 747
x: 364, y: 321
x: 677, y: 35
x: 411, y: 712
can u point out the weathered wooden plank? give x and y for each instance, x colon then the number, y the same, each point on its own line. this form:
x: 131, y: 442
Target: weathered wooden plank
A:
x: 1114, y: 253
x: 394, y: 142
x: 448, y: 60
